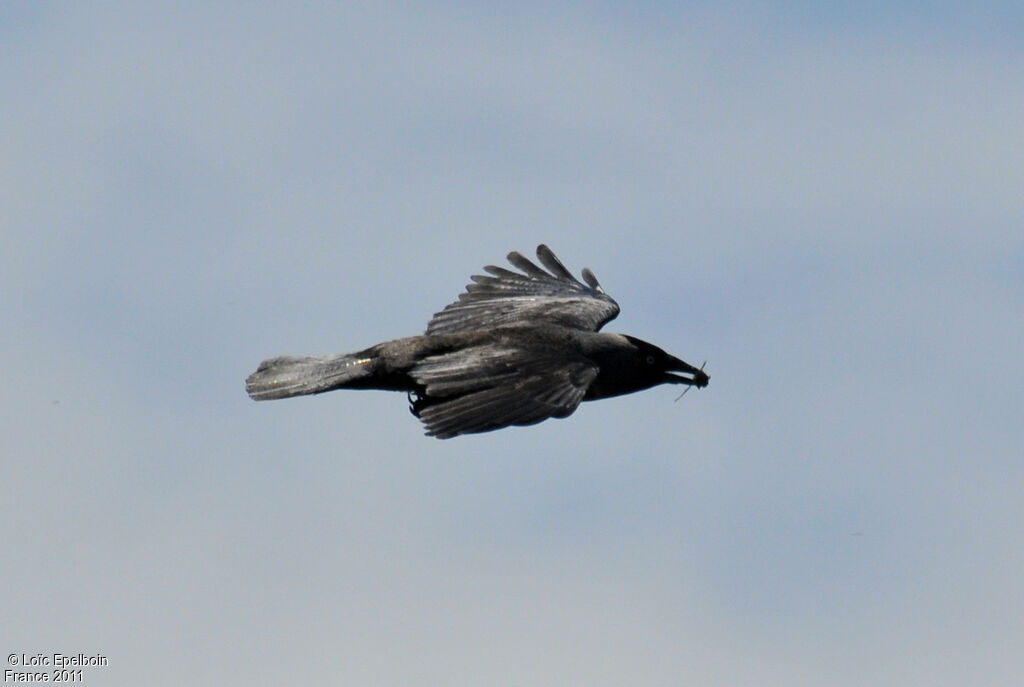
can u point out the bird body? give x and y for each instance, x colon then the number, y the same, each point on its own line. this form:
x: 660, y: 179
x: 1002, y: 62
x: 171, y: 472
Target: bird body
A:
x: 515, y: 349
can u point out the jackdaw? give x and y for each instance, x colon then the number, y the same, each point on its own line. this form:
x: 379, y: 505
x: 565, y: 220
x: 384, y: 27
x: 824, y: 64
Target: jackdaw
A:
x: 514, y: 349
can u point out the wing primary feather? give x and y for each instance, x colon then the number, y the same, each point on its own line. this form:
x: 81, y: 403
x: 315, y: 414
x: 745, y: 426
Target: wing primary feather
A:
x: 554, y: 265
x: 525, y: 265
x: 591, y: 280
x: 502, y: 272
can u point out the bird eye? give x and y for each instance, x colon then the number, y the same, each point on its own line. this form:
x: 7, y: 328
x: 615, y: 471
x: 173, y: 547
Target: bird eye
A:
x: 650, y: 360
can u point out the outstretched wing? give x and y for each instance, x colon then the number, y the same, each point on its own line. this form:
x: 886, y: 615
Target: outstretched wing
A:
x: 533, y: 297
x: 484, y: 388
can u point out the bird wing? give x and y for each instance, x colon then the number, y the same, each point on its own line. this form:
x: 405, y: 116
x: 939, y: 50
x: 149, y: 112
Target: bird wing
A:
x: 482, y: 388
x: 536, y: 296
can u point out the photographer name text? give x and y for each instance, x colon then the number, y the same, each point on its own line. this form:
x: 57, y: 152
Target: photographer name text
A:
x: 55, y: 667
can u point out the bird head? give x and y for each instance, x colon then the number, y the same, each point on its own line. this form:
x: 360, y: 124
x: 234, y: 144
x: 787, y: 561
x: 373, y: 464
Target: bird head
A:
x: 655, y: 366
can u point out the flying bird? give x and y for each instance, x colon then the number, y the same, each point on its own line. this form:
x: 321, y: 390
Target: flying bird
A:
x: 516, y: 348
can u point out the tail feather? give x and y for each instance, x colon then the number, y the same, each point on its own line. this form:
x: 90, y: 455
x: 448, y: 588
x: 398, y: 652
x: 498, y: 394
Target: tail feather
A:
x: 288, y: 376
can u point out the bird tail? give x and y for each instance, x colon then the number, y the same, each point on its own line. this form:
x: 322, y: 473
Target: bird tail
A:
x: 288, y: 376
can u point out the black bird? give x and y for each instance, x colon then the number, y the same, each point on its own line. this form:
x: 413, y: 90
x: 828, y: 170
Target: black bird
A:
x: 515, y: 349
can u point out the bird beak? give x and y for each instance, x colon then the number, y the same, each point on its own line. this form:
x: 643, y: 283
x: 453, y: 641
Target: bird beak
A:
x: 696, y: 376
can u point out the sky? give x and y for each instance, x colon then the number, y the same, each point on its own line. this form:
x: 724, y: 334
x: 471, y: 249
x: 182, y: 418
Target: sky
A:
x: 822, y: 203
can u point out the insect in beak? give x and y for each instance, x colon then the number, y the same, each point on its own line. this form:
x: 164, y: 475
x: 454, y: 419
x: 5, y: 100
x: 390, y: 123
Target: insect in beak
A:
x: 688, y: 388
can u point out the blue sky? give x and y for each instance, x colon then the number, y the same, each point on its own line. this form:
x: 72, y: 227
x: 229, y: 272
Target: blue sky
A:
x: 824, y: 205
